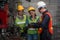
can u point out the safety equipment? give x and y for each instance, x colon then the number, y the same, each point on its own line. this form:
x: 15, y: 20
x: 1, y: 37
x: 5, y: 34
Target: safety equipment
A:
x: 32, y: 30
x: 33, y: 21
x: 21, y: 23
x: 20, y: 7
x: 31, y: 8
x: 50, y: 28
x: 41, y: 4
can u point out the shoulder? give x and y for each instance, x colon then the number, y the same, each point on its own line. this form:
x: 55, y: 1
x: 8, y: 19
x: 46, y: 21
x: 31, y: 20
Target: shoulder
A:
x: 49, y: 14
x: 46, y: 17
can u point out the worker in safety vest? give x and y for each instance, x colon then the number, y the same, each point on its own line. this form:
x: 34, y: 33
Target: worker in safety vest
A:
x: 21, y: 20
x: 46, y: 30
x: 33, y: 18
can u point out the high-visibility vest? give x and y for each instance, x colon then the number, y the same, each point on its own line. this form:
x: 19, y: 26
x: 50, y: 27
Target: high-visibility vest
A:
x: 33, y: 30
x: 21, y: 23
x: 33, y: 21
x: 50, y: 28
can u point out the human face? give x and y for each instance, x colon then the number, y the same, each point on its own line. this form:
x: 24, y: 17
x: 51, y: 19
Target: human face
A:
x: 32, y: 13
x: 20, y: 12
x: 42, y: 10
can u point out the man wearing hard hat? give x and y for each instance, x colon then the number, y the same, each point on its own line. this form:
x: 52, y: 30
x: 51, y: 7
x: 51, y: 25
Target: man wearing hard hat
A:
x: 21, y: 20
x: 33, y: 18
x: 46, y: 25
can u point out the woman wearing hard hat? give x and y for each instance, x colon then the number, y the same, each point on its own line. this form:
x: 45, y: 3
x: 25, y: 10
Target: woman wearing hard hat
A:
x: 21, y: 20
x: 33, y: 18
x: 46, y: 24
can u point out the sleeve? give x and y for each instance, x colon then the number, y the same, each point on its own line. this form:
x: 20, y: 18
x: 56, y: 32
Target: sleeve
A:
x: 45, y: 21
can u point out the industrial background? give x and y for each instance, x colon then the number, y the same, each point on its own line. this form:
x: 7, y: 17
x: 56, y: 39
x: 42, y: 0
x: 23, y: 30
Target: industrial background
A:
x: 52, y: 5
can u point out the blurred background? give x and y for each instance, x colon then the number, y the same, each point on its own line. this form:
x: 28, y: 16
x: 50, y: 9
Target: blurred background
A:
x: 52, y: 5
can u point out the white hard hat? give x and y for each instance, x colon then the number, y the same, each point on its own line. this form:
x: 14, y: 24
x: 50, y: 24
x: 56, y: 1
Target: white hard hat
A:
x: 41, y: 4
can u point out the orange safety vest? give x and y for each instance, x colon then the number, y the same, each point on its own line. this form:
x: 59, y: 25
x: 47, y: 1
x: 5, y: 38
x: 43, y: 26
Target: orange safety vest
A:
x: 50, y: 28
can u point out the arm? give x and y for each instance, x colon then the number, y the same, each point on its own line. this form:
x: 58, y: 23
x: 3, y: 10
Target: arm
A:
x: 45, y: 22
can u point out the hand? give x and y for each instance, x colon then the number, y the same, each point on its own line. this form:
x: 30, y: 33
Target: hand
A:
x: 40, y: 30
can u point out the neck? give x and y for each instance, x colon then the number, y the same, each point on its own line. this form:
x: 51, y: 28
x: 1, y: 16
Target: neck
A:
x: 45, y: 12
x: 20, y: 15
x: 33, y: 17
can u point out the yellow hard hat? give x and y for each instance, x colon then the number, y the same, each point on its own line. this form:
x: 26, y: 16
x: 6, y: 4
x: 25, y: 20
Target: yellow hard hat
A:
x: 20, y: 7
x: 31, y: 8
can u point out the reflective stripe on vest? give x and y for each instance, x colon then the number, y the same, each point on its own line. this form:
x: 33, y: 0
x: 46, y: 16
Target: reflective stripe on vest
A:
x: 21, y: 23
